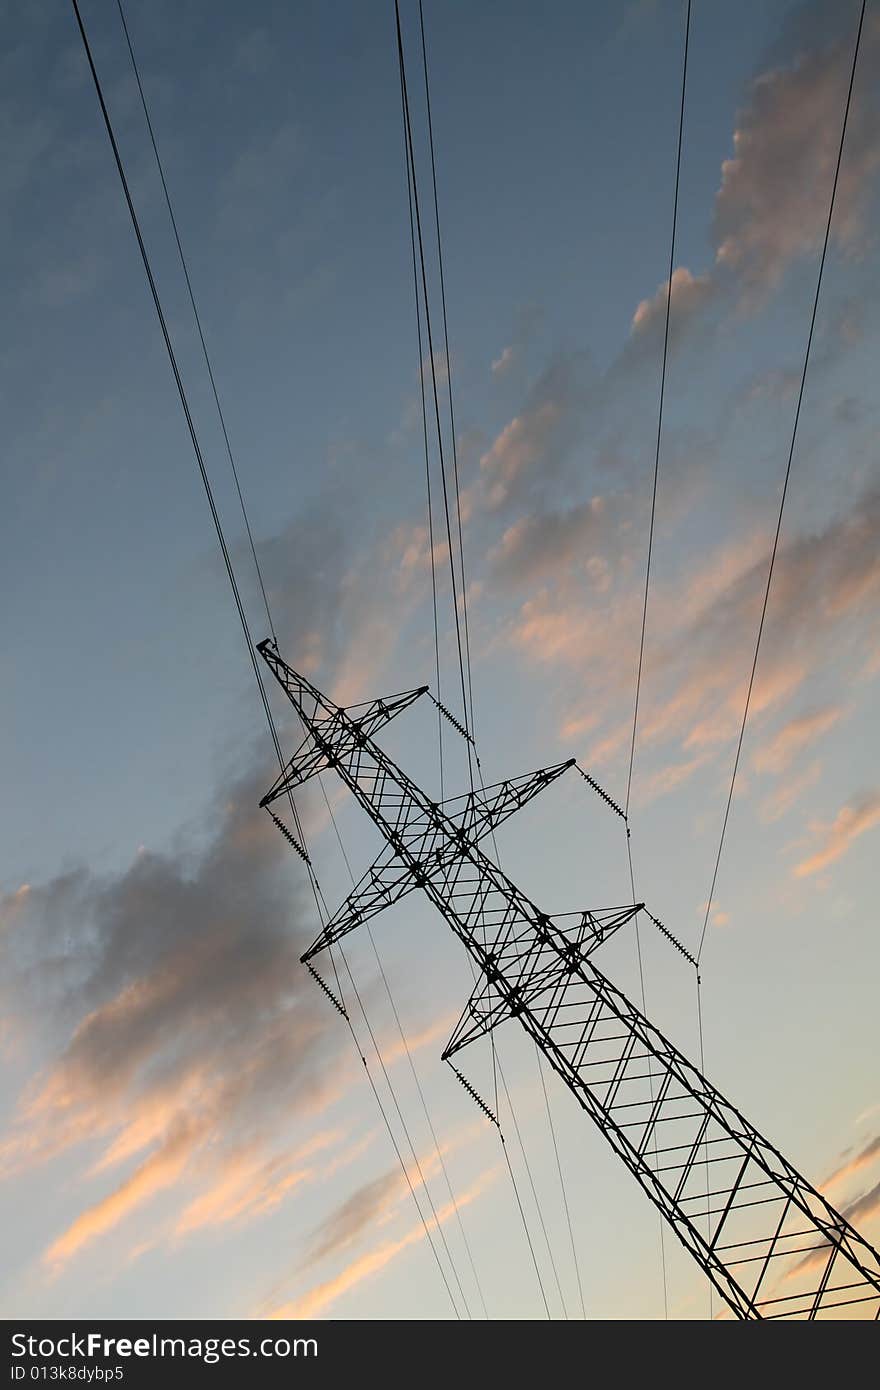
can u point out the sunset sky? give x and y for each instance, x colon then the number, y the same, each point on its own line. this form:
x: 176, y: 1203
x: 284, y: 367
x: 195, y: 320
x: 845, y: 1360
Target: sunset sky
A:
x: 185, y: 1126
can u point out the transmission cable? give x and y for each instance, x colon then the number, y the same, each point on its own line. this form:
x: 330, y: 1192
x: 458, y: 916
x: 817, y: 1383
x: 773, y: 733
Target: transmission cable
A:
x: 775, y: 546
x: 574, y: 1255
x: 531, y: 1180
x: 249, y: 531
x: 412, y: 170
x: 438, y: 1150
x: 210, y: 495
x: 452, y: 431
x: 197, y: 317
x: 462, y: 653
x: 651, y: 525
x: 416, y: 298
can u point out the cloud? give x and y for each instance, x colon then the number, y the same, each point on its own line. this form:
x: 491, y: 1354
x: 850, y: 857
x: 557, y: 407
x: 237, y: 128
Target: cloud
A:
x: 864, y: 1207
x: 518, y: 448
x: 161, y: 1170
x: 504, y: 362
x: 859, y: 1211
x: 322, y: 1296
x: 355, y: 1215
x: 773, y: 201
x: 375, y: 1201
x: 249, y: 1184
x: 668, y: 779
x: 794, y: 736
x: 702, y: 630
x: 788, y: 793
x: 527, y: 453
x: 394, y: 1051
x: 545, y: 541
x: 867, y: 1155
x: 179, y: 1014
x: 836, y: 838
x: 689, y: 295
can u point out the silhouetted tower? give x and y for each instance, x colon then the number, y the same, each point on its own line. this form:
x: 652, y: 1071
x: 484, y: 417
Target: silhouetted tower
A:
x: 771, y: 1244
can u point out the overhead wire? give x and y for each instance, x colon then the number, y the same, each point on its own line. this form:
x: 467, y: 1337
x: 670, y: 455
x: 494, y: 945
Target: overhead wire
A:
x: 448, y: 360
x: 458, y: 511
x: 562, y: 1187
x: 430, y: 336
x: 651, y: 526
x: 534, y: 1191
x: 417, y: 301
x: 203, y: 472
x: 785, y: 481
x: 463, y: 651
x: 196, y: 316
x: 774, y: 551
x: 416, y: 1079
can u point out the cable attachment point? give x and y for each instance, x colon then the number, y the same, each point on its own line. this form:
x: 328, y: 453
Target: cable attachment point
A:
x: 601, y: 792
x: 669, y: 937
x: 291, y: 839
x: 329, y: 993
x: 447, y: 714
x: 490, y: 1115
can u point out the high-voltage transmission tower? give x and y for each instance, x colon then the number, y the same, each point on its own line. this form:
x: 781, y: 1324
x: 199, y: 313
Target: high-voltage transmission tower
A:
x: 771, y: 1244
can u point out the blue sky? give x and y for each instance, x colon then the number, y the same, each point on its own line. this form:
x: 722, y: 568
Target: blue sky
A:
x: 185, y: 1129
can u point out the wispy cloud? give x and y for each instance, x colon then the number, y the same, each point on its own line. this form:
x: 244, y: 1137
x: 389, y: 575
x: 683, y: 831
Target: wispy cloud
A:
x: 867, y: 1155
x: 835, y: 839
x: 773, y: 201
x: 702, y: 627
x: 320, y: 1298
x: 795, y: 735
x: 182, y: 1019
x: 689, y: 294
x: 504, y: 361
x: 789, y: 792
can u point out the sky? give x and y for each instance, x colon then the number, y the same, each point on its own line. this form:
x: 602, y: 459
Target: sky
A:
x: 185, y: 1126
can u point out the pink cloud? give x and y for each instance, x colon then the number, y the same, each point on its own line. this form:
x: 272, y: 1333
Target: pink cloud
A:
x: 838, y: 837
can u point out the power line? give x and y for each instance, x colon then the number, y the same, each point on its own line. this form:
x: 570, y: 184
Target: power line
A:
x: 412, y: 237
x: 196, y: 315
x: 562, y: 1187
x: 411, y: 1147
x: 656, y: 476
x: 632, y: 750
x: 384, y: 1115
x: 463, y: 652
x: 218, y: 526
x: 452, y: 432
x: 528, y: 1169
x: 412, y: 169
x: 775, y: 547
x: 547, y: 979
x: 209, y: 490
x: 419, y: 1089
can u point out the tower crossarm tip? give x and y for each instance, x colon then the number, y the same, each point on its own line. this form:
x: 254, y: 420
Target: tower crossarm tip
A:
x: 386, y: 881
x: 526, y: 962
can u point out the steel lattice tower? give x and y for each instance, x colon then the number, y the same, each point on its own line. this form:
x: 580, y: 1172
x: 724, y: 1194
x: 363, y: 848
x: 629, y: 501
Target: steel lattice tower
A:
x: 771, y: 1244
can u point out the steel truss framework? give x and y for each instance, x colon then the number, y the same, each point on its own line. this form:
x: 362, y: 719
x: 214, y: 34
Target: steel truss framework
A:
x: 771, y: 1244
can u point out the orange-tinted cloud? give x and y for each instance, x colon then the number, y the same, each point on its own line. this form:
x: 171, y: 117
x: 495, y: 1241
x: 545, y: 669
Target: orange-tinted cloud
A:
x: 181, y: 1018
x: 868, y: 1154
x: 797, y: 734
x: 689, y: 294
x: 249, y: 1184
x: 322, y: 1296
x: 773, y: 201
x: 836, y: 838
x: 161, y: 1170
x: 787, y: 794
